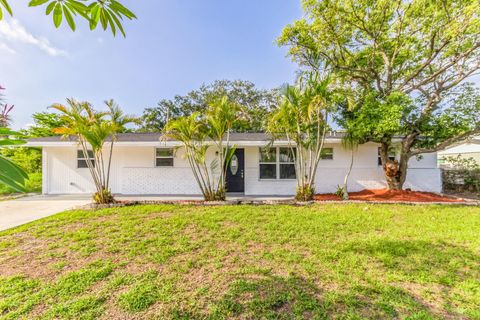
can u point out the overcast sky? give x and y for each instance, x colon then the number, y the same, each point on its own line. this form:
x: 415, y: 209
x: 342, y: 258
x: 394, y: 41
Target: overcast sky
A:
x: 173, y: 47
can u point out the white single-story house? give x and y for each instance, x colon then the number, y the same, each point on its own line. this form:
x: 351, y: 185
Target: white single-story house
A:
x: 466, y: 150
x: 145, y: 164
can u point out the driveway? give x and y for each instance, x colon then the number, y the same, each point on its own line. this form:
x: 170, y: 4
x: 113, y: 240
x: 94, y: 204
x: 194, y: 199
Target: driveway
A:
x: 23, y: 210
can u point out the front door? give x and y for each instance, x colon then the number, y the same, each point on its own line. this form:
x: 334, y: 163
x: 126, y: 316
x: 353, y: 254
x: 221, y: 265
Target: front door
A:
x: 236, y: 172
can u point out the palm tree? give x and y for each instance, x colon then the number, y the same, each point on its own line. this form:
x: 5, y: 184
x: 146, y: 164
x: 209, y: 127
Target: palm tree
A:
x: 194, y: 131
x: 350, y: 141
x: 92, y: 129
x: 118, y: 120
x: 220, y: 119
x: 302, y: 118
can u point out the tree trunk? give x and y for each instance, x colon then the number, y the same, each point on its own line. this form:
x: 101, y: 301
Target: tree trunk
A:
x: 395, y: 171
x: 345, y: 181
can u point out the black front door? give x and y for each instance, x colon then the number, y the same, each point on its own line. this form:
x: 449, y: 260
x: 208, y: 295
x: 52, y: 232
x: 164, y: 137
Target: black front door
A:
x: 236, y: 172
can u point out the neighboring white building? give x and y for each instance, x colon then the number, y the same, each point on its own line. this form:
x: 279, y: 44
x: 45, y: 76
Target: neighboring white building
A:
x: 466, y: 150
x: 142, y: 164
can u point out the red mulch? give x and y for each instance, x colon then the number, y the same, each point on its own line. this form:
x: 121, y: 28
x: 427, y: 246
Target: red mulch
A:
x: 389, y: 195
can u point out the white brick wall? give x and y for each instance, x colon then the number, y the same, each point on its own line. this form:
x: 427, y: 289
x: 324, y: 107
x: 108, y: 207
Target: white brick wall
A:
x: 134, y: 172
x: 159, y: 181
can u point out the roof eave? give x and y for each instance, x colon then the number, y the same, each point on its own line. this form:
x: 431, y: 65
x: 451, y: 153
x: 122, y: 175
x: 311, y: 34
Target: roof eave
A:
x: 159, y: 143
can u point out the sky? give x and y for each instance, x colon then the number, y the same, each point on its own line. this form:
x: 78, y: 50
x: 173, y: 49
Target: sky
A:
x: 173, y: 47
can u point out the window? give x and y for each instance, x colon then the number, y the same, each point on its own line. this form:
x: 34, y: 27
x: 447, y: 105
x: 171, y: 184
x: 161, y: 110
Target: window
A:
x: 391, y: 156
x: 326, y: 154
x: 82, y: 161
x: 277, y: 163
x: 164, y: 157
x: 268, y: 163
x: 287, y: 163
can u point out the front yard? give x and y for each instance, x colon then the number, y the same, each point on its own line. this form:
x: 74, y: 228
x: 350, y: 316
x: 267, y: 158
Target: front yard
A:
x: 183, y: 262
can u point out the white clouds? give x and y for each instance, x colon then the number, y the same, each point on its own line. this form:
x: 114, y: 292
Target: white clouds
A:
x: 5, y: 47
x: 13, y: 31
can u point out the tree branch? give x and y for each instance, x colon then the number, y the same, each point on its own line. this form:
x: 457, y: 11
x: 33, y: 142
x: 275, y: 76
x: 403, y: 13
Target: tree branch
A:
x: 447, y: 142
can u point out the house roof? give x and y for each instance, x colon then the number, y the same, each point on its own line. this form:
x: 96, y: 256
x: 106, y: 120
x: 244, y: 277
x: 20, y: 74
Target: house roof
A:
x: 149, y: 138
x: 470, y: 145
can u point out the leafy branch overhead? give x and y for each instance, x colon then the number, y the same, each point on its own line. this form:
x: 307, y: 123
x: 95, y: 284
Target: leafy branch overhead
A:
x: 109, y: 13
x: 11, y: 174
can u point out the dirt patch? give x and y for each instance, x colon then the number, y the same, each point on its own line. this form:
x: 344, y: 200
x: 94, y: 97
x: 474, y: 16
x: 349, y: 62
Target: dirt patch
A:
x: 390, y: 195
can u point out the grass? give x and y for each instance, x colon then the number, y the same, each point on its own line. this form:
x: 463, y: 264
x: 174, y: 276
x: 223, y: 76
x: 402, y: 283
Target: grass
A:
x: 265, y: 262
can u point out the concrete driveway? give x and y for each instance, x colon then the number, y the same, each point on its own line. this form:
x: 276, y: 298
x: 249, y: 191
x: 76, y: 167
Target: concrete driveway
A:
x: 23, y: 210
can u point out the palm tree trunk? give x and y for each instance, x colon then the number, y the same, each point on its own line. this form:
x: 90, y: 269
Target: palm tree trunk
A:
x: 109, y: 163
x: 345, y: 181
x: 319, y: 150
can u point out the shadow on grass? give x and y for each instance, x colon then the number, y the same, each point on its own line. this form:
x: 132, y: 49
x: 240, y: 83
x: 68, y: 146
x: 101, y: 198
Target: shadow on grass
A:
x: 421, y: 261
x: 293, y: 297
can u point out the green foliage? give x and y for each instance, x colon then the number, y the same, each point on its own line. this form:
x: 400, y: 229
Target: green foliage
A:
x: 255, y: 104
x: 302, y: 118
x: 11, y: 174
x: 103, y: 196
x: 461, y: 162
x: 461, y: 174
x: 92, y: 129
x: 400, y: 62
x: 458, y: 114
x: 340, y: 192
x: 304, y: 193
x: 196, y: 132
x: 30, y: 159
x: 32, y: 185
x: 44, y: 123
x: 109, y: 13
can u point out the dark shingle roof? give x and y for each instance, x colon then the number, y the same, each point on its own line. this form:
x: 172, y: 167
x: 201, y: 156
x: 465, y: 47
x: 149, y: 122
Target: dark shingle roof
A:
x: 151, y: 137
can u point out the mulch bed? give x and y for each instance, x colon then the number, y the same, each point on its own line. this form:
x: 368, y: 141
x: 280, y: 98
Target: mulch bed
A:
x: 367, y: 195
x: 390, y: 195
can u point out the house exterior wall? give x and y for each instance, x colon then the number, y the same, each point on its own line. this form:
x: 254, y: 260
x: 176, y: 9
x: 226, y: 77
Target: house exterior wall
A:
x: 465, y: 151
x: 134, y: 172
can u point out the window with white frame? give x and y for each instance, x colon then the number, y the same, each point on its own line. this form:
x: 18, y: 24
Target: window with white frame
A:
x: 326, y: 154
x: 164, y: 157
x: 82, y: 160
x: 277, y: 163
x: 391, y: 155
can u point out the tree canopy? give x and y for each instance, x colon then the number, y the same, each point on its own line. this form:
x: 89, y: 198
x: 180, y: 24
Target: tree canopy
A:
x: 256, y: 104
x: 400, y: 62
x: 196, y: 131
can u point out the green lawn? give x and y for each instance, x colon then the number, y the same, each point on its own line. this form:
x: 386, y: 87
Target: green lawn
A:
x: 182, y: 262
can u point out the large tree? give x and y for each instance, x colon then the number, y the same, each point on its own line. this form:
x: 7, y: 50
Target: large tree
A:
x: 402, y: 60
x: 109, y: 13
x: 44, y: 123
x: 256, y: 104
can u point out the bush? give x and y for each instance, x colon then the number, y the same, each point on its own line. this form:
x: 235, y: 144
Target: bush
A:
x: 304, y: 193
x: 461, y: 180
x: 340, y: 192
x: 33, y: 184
x: 30, y: 159
x: 103, y: 197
